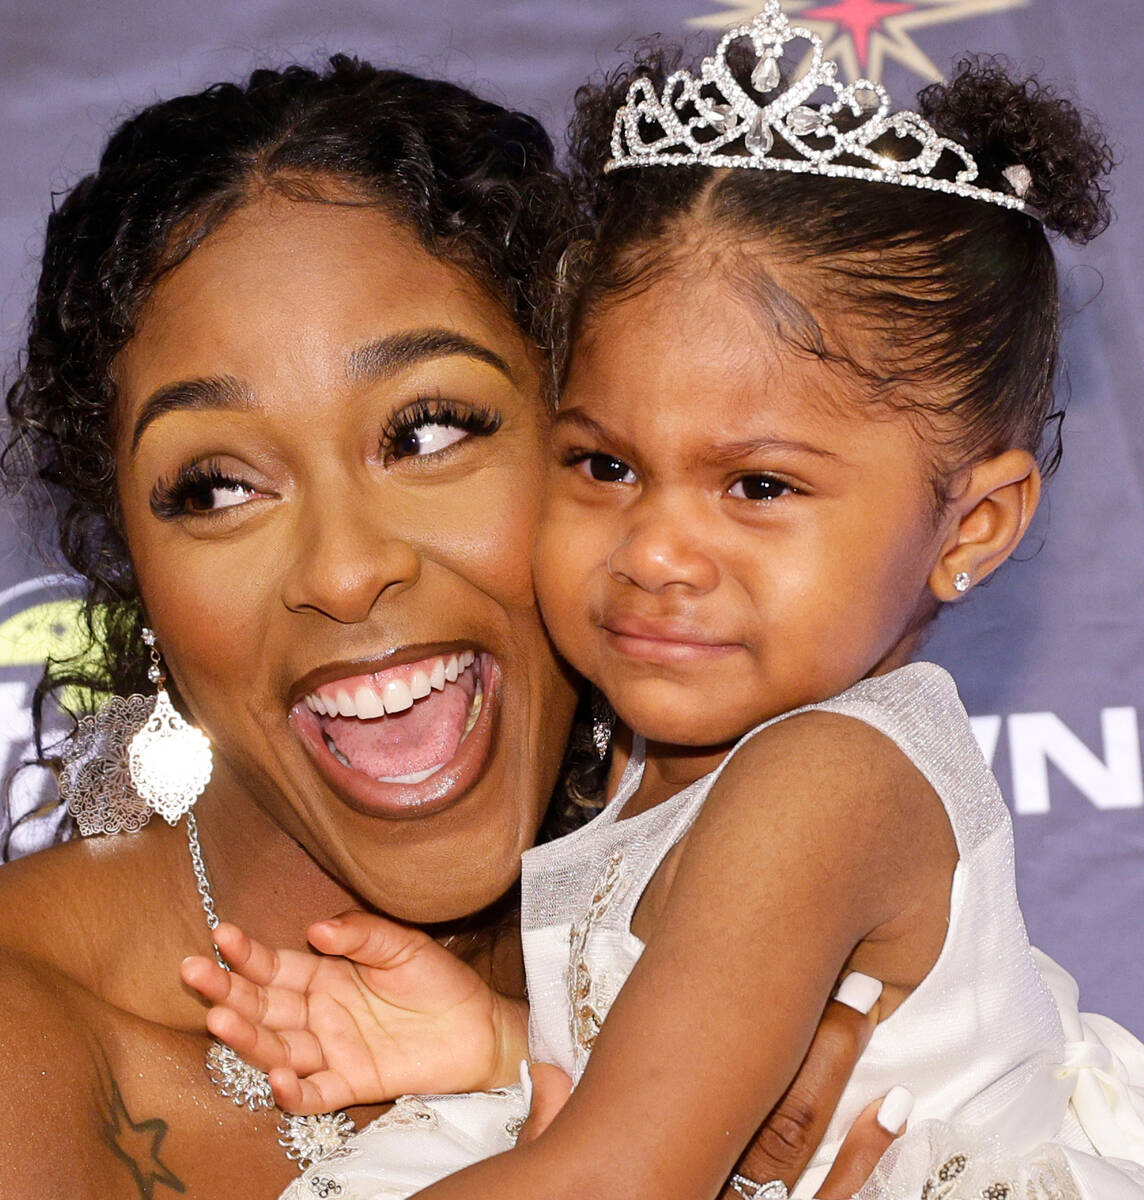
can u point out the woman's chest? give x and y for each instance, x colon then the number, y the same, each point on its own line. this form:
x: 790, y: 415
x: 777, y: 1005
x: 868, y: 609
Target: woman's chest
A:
x: 170, y: 1126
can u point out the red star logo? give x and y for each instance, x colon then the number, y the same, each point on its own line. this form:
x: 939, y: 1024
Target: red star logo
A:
x: 861, y: 35
x: 860, y: 18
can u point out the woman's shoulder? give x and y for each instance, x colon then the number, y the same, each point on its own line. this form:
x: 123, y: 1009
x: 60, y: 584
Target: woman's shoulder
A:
x: 92, y: 912
x: 50, y: 901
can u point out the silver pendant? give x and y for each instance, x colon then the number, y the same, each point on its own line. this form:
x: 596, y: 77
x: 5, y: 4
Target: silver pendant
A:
x: 170, y: 761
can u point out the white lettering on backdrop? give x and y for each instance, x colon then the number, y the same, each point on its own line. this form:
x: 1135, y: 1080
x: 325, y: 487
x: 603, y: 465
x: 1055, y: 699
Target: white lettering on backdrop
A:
x: 1109, y: 779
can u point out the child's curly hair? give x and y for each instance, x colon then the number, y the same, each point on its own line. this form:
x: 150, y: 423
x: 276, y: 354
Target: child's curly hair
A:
x: 961, y: 294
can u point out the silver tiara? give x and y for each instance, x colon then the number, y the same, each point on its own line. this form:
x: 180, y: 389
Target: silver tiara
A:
x: 709, y: 120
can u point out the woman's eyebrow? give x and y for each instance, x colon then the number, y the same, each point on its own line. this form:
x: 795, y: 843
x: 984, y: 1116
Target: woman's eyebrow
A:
x: 386, y: 356
x: 375, y: 359
x: 223, y: 391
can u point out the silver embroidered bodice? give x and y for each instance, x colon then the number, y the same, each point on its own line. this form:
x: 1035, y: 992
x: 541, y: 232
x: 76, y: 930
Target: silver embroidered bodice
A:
x: 980, y: 1039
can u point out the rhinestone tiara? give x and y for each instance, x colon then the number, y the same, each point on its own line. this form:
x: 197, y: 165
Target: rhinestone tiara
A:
x: 709, y: 120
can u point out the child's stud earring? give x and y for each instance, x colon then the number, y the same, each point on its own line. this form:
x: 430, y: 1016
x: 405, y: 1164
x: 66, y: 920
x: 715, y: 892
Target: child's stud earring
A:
x: 962, y: 581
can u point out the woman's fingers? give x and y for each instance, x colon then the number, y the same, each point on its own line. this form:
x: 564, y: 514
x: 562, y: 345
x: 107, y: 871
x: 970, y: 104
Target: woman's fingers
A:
x: 786, y: 1143
x: 551, y: 1088
x: 869, y: 1138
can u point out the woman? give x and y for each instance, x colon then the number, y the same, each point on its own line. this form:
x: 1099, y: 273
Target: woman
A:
x: 324, y: 294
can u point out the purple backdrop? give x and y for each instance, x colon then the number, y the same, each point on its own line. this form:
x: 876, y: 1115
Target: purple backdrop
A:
x: 1050, y: 657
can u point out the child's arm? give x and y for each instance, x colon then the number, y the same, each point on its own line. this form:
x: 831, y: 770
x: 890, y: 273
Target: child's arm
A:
x: 394, y: 1013
x: 819, y: 837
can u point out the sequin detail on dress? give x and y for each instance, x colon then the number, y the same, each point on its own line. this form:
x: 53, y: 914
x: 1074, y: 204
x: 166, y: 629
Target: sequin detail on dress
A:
x: 589, y: 1005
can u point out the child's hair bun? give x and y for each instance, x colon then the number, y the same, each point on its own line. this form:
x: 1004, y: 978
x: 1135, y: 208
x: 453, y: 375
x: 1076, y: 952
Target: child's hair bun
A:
x: 1006, y: 122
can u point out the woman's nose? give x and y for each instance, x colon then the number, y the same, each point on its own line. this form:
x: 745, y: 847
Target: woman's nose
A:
x: 661, y: 552
x: 344, y: 564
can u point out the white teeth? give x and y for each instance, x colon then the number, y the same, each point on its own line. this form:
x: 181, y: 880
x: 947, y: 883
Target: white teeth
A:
x: 412, y: 777
x: 397, y: 696
x: 368, y: 703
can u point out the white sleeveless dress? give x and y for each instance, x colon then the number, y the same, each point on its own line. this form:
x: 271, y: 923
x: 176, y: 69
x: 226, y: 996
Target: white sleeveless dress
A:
x: 1010, y: 1081
x: 980, y: 1042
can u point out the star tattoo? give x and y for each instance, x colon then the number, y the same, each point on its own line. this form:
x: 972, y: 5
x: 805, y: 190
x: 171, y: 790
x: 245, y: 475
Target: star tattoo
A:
x: 136, y: 1144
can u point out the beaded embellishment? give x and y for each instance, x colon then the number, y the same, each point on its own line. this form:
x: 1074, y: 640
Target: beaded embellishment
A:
x: 589, y: 1005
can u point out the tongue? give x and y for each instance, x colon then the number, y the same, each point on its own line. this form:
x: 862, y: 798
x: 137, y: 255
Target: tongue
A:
x: 426, y: 735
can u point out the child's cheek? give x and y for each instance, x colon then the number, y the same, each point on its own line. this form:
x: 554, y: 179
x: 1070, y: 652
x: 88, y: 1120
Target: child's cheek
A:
x: 560, y: 573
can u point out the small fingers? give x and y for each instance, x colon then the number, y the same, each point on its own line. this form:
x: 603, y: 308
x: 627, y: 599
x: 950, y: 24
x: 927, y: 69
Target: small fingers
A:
x: 869, y: 1138
x: 367, y: 939
x: 206, y: 977
x: 251, y: 959
x: 264, y: 1048
x: 319, y: 1092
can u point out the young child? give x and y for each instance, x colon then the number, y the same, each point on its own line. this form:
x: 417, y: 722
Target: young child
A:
x: 813, y: 361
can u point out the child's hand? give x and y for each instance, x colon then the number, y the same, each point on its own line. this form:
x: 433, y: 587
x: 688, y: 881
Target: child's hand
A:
x: 391, y: 1013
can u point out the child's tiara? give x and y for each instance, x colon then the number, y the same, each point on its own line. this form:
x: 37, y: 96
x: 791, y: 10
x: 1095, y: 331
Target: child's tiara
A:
x: 709, y: 120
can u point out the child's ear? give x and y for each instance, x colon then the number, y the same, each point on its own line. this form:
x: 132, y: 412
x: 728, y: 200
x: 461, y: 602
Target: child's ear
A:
x: 986, y: 520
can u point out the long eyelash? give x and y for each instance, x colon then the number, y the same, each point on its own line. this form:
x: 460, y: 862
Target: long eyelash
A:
x: 436, y: 410
x: 169, y: 496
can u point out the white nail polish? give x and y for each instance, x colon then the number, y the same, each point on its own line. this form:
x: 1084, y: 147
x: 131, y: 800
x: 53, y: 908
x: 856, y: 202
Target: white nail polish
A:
x: 859, y: 992
x: 895, y: 1110
x: 526, y: 1083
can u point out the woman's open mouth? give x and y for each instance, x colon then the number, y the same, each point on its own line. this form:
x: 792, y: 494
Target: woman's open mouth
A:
x: 405, y: 740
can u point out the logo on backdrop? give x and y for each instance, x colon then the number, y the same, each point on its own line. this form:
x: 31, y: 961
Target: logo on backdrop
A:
x: 39, y: 618
x: 862, y: 34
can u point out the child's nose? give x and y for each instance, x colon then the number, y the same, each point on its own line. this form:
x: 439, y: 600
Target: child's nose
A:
x: 658, y: 554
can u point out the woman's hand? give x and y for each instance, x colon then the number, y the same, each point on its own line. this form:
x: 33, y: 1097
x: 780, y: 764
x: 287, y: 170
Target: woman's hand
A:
x: 789, y: 1137
x: 388, y: 1013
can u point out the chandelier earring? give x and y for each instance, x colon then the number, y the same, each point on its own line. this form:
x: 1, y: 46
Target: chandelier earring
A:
x: 132, y: 757
x: 169, y: 760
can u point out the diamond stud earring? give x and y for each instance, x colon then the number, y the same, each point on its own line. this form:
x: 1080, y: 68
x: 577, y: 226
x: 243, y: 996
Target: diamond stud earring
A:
x: 963, y: 581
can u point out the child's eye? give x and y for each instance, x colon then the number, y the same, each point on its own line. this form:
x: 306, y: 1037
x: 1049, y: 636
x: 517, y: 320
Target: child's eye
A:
x: 432, y: 426
x: 198, y: 490
x: 603, y: 468
x: 759, y: 487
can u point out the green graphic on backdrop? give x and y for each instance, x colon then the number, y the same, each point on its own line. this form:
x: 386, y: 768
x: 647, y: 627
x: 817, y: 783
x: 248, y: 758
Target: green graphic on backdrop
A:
x: 52, y: 629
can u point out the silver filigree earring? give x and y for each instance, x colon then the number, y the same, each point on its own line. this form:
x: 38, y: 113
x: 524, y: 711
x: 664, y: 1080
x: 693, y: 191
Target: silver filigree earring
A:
x: 962, y: 582
x: 94, y: 777
x: 169, y: 760
x: 131, y: 757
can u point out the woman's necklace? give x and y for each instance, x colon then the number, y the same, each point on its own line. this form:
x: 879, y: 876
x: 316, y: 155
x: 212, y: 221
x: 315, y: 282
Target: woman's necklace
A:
x: 306, y: 1140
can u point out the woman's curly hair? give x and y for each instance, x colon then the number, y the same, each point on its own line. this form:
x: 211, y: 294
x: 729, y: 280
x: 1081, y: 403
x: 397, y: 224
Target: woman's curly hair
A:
x: 476, y: 183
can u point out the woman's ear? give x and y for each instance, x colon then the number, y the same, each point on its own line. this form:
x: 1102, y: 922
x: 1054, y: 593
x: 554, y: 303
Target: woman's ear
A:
x: 987, y: 520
